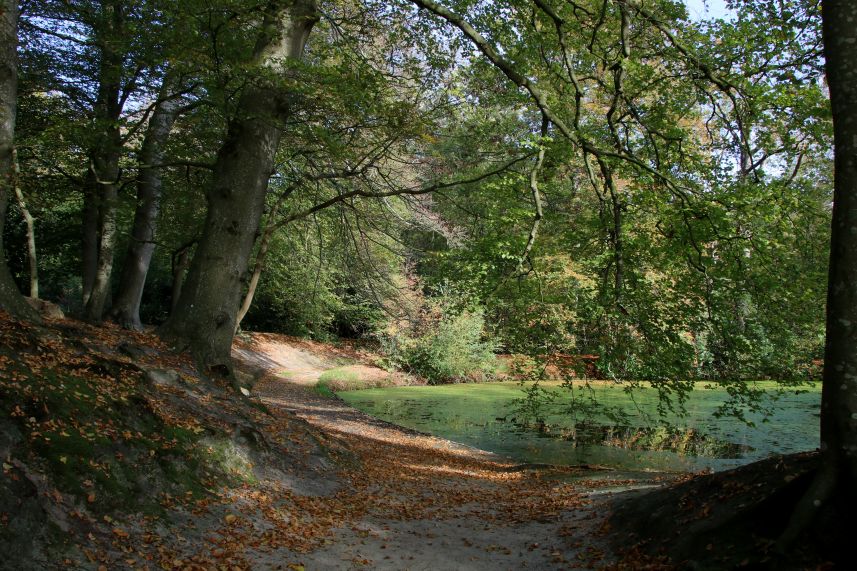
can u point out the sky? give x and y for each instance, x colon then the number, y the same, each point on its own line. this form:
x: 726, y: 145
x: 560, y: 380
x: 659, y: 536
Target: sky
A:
x: 704, y: 9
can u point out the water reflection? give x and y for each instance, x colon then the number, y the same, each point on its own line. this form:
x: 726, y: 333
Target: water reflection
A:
x: 482, y: 416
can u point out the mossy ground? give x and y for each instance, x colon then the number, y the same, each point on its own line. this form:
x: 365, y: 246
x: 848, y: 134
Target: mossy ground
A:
x: 95, y: 427
x: 88, y: 441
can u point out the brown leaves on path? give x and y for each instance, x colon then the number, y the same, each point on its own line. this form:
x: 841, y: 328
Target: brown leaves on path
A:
x: 302, y: 482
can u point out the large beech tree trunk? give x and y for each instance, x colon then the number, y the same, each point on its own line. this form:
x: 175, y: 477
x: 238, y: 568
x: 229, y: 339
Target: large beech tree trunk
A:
x: 126, y: 305
x: 205, y: 316
x: 11, y: 299
x: 102, y: 182
x: 835, y: 484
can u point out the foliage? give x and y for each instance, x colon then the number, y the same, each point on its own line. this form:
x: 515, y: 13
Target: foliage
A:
x: 446, y: 342
x: 340, y: 376
x: 688, y: 241
x: 455, y: 351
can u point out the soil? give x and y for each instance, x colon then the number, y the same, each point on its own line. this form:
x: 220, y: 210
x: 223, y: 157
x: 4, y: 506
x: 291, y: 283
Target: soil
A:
x: 302, y: 362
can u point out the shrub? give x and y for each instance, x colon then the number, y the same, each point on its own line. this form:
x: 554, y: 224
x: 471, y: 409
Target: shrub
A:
x: 455, y: 350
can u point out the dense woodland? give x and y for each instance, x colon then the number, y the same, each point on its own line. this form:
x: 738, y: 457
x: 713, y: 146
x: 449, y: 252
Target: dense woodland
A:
x: 450, y: 180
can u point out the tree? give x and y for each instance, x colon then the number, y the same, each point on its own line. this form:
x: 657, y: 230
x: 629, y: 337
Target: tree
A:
x: 11, y: 299
x: 656, y: 114
x: 833, y: 487
x: 96, y: 60
x: 205, y: 316
x: 138, y: 257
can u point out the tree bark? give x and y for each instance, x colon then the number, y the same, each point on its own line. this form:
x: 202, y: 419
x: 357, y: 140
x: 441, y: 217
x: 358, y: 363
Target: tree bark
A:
x: 103, y: 175
x: 205, y: 316
x: 835, y: 481
x: 11, y: 299
x: 126, y: 306
x: 89, y: 239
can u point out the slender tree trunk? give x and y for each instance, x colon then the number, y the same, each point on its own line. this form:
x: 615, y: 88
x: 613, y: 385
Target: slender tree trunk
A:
x: 614, y: 231
x: 181, y: 260
x: 205, y: 317
x: 11, y: 299
x: 103, y: 175
x: 32, y: 255
x: 108, y: 198
x: 259, y: 264
x: 835, y: 484
x: 89, y: 240
x: 126, y: 306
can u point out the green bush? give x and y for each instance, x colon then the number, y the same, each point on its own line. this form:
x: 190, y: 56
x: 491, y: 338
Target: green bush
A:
x: 454, y: 350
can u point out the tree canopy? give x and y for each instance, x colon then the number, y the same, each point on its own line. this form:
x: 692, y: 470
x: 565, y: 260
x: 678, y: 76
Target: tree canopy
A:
x: 609, y: 178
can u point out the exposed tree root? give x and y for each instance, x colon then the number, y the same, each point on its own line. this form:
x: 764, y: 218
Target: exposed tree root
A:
x: 808, y: 507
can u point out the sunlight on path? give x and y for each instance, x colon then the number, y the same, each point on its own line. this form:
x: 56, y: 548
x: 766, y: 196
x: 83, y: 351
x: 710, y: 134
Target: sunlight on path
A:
x: 433, y: 503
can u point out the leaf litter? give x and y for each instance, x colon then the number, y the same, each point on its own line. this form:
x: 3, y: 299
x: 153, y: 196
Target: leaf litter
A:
x: 190, y: 475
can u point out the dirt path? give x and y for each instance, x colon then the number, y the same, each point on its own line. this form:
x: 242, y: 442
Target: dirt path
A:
x: 287, y: 358
x: 421, y: 502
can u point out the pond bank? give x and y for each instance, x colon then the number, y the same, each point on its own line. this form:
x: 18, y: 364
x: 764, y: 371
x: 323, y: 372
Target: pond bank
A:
x: 432, y: 503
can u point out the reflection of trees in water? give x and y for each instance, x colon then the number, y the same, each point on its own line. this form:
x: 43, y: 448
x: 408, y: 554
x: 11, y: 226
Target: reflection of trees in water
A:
x: 686, y: 441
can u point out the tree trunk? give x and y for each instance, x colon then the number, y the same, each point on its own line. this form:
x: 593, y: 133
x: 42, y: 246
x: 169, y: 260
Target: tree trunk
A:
x: 11, y: 299
x: 107, y: 198
x: 126, y: 306
x: 89, y: 240
x: 205, y: 316
x: 32, y: 254
x: 835, y: 481
x: 103, y: 176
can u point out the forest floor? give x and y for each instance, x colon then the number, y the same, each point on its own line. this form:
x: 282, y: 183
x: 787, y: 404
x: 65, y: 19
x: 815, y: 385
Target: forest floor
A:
x: 433, y: 503
x: 117, y: 454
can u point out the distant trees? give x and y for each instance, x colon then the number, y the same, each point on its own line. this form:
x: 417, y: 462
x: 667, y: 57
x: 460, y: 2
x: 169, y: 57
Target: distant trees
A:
x: 663, y: 141
x: 113, y: 109
x: 138, y: 256
x: 684, y: 174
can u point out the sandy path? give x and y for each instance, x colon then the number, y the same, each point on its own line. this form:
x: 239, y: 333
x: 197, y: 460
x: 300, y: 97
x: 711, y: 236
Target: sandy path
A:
x: 426, y: 502
x: 293, y: 371
x: 282, y: 359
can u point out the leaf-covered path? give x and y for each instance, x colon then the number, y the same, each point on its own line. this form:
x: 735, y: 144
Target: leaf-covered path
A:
x: 141, y: 463
x: 419, y: 502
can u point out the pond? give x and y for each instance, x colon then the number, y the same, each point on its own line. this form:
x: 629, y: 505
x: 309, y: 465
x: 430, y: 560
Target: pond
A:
x: 487, y: 416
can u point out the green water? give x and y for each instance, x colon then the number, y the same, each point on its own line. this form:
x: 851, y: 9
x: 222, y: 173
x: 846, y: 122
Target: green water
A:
x: 484, y: 416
